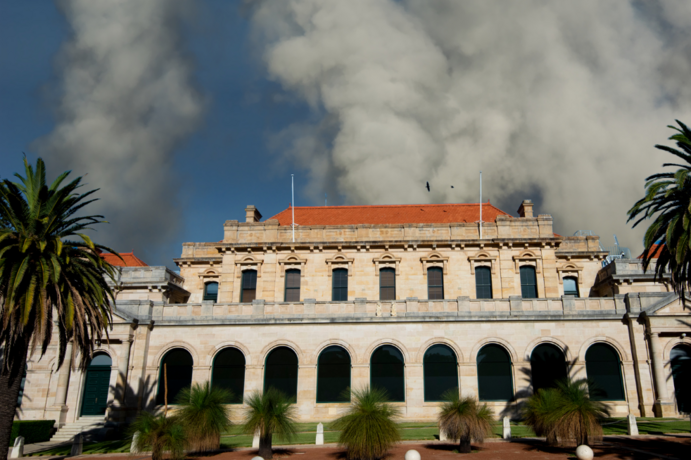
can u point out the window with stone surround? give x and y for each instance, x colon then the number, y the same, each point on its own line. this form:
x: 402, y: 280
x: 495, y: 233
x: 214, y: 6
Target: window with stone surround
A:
x: 483, y: 282
x: 228, y: 372
x: 387, y: 284
x: 547, y: 366
x: 494, y: 375
x: 387, y: 372
x: 249, y: 286
x: 281, y: 372
x: 603, y: 368
x: 435, y: 283
x: 292, y: 289
x: 528, y: 282
x: 339, y: 286
x: 571, y: 286
x: 333, y: 375
x: 177, y: 365
x: 680, y: 360
x: 211, y: 291
x: 440, y: 369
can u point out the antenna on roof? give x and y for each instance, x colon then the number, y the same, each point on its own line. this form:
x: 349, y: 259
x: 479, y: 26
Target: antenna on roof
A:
x: 480, y: 204
x: 292, y: 204
x: 325, y: 199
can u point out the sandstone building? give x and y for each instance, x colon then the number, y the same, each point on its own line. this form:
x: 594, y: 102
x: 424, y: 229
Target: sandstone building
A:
x: 415, y: 299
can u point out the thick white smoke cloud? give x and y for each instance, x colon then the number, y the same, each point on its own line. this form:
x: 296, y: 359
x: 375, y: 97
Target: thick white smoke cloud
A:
x: 561, y: 102
x: 125, y: 102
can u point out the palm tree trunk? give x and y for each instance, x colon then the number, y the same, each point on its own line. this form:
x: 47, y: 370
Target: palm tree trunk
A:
x: 265, y: 450
x: 464, y: 446
x: 9, y: 392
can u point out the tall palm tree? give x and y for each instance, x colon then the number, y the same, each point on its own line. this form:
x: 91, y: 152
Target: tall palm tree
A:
x: 269, y: 413
x: 668, y: 197
x: 465, y: 420
x: 49, y: 271
x: 368, y: 429
x: 202, y: 411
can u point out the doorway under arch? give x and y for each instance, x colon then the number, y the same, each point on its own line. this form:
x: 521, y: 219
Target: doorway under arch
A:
x: 95, y: 396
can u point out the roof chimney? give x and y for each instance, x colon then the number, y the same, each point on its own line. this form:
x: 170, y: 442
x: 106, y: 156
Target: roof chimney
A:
x: 526, y: 209
x: 252, y: 214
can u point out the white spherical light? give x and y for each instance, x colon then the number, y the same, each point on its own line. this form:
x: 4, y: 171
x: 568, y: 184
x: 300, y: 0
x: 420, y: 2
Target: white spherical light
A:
x: 257, y: 458
x: 412, y: 455
x: 584, y: 453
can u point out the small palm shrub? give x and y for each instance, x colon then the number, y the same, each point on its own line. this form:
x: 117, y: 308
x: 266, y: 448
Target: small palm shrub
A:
x: 566, y: 413
x: 204, y: 416
x: 269, y: 413
x: 368, y: 429
x: 464, y: 419
x: 160, y: 434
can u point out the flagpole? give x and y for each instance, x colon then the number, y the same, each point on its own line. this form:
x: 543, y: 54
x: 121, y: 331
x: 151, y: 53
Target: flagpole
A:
x: 292, y: 206
x: 480, y: 204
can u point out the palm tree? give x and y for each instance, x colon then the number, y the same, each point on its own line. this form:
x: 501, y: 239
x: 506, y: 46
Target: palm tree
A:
x: 50, y: 271
x: 203, y: 414
x: 465, y: 420
x: 566, y: 413
x: 368, y: 429
x: 269, y: 413
x: 159, y: 434
x: 668, y: 196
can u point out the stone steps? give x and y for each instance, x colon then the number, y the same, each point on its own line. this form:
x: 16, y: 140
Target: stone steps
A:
x: 82, y: 425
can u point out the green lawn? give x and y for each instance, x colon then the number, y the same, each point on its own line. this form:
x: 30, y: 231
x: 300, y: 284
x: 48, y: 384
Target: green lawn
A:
x: 410, y: 431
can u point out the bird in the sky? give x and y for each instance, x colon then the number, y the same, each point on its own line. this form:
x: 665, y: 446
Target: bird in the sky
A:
x: 428, y: 186
x: 452, y: 186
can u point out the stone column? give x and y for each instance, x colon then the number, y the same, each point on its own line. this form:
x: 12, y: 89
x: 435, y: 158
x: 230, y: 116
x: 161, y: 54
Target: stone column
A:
x: 661, y: 399
x: 58, y: 410
x: 124, y: 366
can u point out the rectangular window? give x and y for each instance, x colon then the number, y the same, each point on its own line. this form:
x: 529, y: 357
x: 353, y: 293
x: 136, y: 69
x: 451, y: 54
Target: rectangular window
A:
x: 211, y: 292
x: 528, y: 282
x: 435, y: 283
x: 339, y: 281
x: 483, y: 282
x: 571, y: 286
x: 387, y: 284
x: 249, y: 286
x: 292, y: 286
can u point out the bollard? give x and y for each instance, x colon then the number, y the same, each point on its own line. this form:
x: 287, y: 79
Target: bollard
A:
x: 632, y: 426
x: 133, y: 446
x: 77, y: 446
x: 442, y: 435
x: 320, y: 435
x: 506, y: 432
x: 255, y: 440
x: 18, y: 449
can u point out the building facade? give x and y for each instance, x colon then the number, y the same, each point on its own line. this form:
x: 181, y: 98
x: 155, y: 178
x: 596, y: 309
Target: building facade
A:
x: 417, y: 299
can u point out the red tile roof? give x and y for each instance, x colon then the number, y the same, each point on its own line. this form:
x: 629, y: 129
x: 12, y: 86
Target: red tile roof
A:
x: 130, y: 260
x: 389, y: 214
x: 654, y: 252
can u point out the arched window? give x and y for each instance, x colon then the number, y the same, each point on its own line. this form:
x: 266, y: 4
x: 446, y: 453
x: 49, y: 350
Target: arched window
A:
x: 211, y: 291
x: 387, y: 372
x: 571, y: 286
x: 603, y: 367
x: 292, y: 293
x: 249, y: 286
x: 528, y: 282
x: 177, y: 366
x: 494, y: 376
x: 96, y: 384
x: 228, y: 372
x: 680, y: 359
x: 435, y: 283
x: 339, y: 287
x: 440, y: 372
x: 547, y: 366
x: 483, y: 282
x: 333, y: 375
x: 387, y: 284
x: 281, y: 372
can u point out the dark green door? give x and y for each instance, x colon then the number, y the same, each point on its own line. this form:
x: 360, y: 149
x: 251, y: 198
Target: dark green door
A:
x: 95, y: 397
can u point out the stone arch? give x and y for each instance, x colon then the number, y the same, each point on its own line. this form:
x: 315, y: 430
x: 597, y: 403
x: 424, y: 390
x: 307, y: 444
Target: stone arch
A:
x: 393, y: 342
x: 211, y: 355
x: 177, y: 344
x: 281, y: 343
x: 420, y: 356
x: 497, y: 341
x: 528, y: 257
x: 313, y: 358
x: 621, y: 351
x: 568, y: 354
x: 673, y: 343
